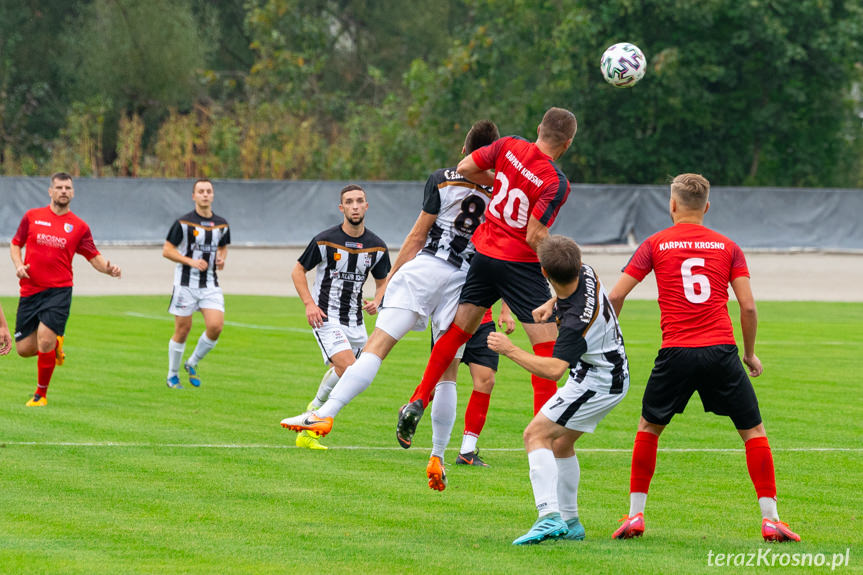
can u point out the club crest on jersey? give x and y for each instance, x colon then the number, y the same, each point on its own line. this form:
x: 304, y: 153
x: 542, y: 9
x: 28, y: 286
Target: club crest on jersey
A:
x: 337, y: 256
x: 68, y: 228
x: 355, y: 245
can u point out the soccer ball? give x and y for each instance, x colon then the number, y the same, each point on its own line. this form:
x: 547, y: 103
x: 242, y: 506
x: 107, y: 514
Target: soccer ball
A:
x: 623, y: 65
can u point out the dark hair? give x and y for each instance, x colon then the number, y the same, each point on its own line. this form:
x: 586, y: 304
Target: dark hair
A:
x: 350, y: 188
x: 481, y: 134
x: 691, y: 191
x: 560, y: 257
x: 198, y: 181
x: 558, y: 126
x: 60, y: 176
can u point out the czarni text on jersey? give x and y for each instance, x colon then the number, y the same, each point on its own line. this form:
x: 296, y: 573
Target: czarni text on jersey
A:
x: 531, y: 177
x: 691, y: 245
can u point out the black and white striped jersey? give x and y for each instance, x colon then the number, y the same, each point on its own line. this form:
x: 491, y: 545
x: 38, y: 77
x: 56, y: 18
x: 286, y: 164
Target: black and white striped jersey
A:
x: 343, y: 265
x: 589, y: 337
x: 459, y: 205
x: 198, y: 238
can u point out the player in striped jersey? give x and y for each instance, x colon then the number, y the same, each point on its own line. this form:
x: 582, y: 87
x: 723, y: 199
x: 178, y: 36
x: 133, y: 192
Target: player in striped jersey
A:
x: 423, y: 287
x: 343, y: 256
x: 198, y: 243
x: 590, y: 347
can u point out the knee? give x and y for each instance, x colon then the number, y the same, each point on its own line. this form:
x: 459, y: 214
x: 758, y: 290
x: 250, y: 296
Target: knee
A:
x: 214, y: 331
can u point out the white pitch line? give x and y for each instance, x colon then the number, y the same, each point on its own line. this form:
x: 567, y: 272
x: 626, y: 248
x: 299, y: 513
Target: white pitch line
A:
x: 393, y: 448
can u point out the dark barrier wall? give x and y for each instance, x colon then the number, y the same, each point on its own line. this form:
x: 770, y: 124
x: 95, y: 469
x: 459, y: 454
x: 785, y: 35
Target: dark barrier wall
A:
x: 289, y: 213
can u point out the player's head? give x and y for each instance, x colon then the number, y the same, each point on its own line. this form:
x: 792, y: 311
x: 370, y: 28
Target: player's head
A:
x: 557, y: 130
x: 560, y: 258
x: 689, y: 196
x: 481, y: 134
x: 61, y: 190
x: 353, y: 204
x: 202, y: 193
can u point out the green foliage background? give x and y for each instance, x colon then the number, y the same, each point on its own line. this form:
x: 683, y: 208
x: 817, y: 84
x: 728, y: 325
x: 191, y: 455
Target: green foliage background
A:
x: 760, y: 92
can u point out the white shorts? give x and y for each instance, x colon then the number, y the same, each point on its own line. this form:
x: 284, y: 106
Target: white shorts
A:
x: 576, y: 406
x: 187, y: 300
x: 428, y: 286
x: 333, y: 338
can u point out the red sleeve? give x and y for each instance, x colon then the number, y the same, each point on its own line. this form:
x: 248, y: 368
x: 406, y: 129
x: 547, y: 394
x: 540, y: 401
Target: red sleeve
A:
x: 641, y: 262
x: 485, y: 157
x: 20, y: 238
x: 86, y: 247
x: 738, y: 263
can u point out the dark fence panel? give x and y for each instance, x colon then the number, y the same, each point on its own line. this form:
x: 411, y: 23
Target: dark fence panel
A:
x: 289, y: 213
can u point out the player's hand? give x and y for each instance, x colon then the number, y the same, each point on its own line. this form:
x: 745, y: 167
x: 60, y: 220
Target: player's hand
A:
x: 5, y: 341
x: 220, y: 263
x: 754, y: 365
x: 371, y: 306
x: 506, y: 322
x: 199, y: 265
x: 500, y: 343
x: 21, y: 271
x: 113, y: 271
x: 544, y: 312
x: 315, y: 315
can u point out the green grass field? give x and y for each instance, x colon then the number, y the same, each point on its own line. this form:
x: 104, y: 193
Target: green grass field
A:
x: 119, y: 474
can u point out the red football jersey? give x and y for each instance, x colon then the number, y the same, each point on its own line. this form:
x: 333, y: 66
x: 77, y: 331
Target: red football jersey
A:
x: 50, y: 242
x: 693, y: 267
x: 527, y: 183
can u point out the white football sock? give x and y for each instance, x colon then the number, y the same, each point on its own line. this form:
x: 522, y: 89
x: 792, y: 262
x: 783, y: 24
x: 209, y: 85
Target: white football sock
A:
x: 175, y: 357
x: 203, y: 347
x: 636, y: 503
x: 353, y: 382
x: 568, y: 476
x: 443, y: 413
x: 329, y: 381
x: 768, y: 508
x: 468, y: 443
x: 543, y: 478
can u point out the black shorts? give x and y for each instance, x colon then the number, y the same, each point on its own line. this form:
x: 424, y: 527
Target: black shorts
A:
x: 715, y: 372
x: 50, y: 307
x: 476, y: 349
x: 520, y: 284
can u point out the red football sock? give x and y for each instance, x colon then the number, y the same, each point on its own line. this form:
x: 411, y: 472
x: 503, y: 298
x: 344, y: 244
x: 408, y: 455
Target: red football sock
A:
x: 477, y: 409
x: 759, y: 460
x: 442, y: 354
x: 543, y: 388
x: 45, y: 363
x: 643, y: 461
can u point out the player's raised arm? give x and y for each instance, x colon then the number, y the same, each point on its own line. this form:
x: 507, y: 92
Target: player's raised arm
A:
x: 414, y: 241
x: 748, y: 323
x: 546, y: 367
x: 468, y: 168
x: 625, y: 284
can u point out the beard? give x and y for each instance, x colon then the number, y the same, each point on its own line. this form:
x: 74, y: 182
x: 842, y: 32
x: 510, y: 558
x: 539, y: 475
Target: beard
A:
x: 356, y: 220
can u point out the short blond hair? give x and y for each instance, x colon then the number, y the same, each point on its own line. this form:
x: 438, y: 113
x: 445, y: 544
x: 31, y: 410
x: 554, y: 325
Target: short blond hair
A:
x: 691, y: 191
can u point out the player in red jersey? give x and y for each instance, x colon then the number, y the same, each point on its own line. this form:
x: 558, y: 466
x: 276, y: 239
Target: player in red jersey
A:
x: 694, y: 266
x: 529, y: 190
x: 50, y: 238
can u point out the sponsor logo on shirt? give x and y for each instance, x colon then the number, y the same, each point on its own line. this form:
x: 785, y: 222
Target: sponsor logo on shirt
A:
x: 68, y: 228
x: 348, y: 276
x: 355, y: 245
x: 42, y: 223
x: 50, y: 241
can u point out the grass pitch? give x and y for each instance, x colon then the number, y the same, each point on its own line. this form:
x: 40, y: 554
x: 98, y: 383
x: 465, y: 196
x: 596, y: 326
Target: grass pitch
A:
x: 119, y: 474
